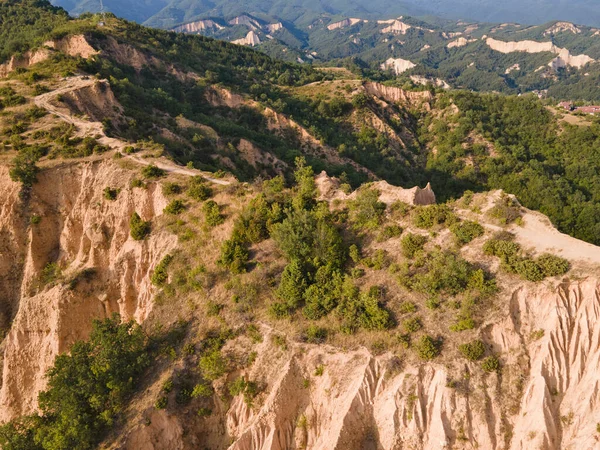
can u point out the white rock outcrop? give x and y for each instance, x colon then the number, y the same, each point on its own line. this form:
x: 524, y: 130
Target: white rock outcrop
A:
x: 397, y: 65
x: 563, y: 59
x: 251, y: 39
x: 344, y: 23
x: 198, y: 26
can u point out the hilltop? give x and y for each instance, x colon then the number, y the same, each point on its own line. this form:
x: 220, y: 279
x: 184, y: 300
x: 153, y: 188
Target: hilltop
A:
x: 298, y: 257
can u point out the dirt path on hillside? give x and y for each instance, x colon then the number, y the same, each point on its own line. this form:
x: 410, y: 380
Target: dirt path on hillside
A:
x: 538, y: 233
x: 89, y: 128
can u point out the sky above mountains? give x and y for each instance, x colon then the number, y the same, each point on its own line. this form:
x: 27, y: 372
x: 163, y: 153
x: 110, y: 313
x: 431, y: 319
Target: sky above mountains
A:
x: 170, y: 12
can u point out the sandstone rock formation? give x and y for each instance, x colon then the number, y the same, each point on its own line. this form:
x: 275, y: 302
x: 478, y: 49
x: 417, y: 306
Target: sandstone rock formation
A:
x: 329, y: 189
x: 251, y: 39
x: 544, y: 398
x: 344, y: 23
x: 198, y: 26
x: 562, y: 27
x: 103, y: 269
x: 563, y: 59
x: 396, y: 95
x: 73, y: 46
x: 397, y: 65
x: 460, y: 42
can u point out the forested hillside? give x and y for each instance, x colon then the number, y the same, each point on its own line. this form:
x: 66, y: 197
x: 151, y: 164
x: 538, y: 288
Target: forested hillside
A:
x: 206, y: 247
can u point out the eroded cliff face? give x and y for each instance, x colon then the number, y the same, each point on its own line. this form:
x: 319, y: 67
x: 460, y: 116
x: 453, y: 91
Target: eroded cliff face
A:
x: 102, y: 269
x: 545, y: 397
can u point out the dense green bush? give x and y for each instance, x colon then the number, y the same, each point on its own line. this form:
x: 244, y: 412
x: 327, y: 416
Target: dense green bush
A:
x: 429, y: 216
x: 491, y: 364
x: 175, y: 208
x: 24, y: 169
x: 160, y: 275
x: 111, y: 193
x: 241, y: 386
x: 366, y: 211
x: 466, y: 231
x: 444, y: 272
x: 362, y: 309
x: 473, y: 351
x: 411, y: 244
x: 427, y: 348
x: 212, y: 213
x: 292, y: 285
x: 153, y: 171
x: 198, y: 189
x: 506, y: 210
x: 234, y: 255
x: 389, y: 232
x: 529, y: 269
x: 315, y: 334
x: 212, y: 364
x: 171, y: 189
x: 138, y: 228
x: 552, y: 265
x: 412, y: 325
x: 311, y: 240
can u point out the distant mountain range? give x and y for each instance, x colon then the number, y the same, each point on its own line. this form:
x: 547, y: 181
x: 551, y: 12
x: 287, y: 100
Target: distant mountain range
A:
x: 384, y: 40
x: 168, y: 13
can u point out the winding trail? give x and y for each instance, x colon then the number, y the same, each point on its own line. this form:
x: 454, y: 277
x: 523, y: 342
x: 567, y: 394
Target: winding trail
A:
x: 89, y: 128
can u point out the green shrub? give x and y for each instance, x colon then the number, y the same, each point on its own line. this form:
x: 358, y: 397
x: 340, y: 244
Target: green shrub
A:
x: 404, y: 340
x: 377, y: 261
x: 429, y: 216
x: 198, y: 189
x: 412, y: 325
x: 407, y: 307
x: 50, y: 274
x: 506, y: 210
x: 473, y: 351
x: 138, y: 228
x: 304, y: 237
x: 320, y: 370
x: 137, y: 183
x: 171, y: 189
x: 202, y: 390
x: 175, y: 208
x: 248, y: 389
x: 529, y: 270
x: 366, y: 211
x: 491, y: 364
x: 400, y: 209
x: 234, y: 256
x: 443, y: 272
x: 389, y: 232
x: 466, y: 231
x: 35, y: 219
x: 160, y: 275
x: 467, y: 198
x: 552, y: 265
x: 315, y: 335
x: 463, y: 324
x: 212, y: 214
x: 427, y: 348
x: 362, y: 310
x: 110, y: 193
x: 292, y: 285
x: 152, y: 171
x: 161, y: 402
x: 24, y: 169
x: 411, y: 244
x: 213, y: 365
